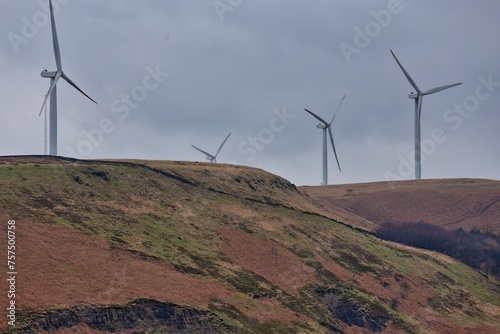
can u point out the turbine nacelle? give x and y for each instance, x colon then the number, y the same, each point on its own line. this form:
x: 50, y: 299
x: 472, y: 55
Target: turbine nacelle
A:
x: 47, y: 74
x: 413, y: 96
x: 321, y: 126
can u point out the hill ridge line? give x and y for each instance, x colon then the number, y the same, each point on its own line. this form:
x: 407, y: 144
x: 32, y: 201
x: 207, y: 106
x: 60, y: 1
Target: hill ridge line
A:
x: 188, y: 182
x: 108, y: 162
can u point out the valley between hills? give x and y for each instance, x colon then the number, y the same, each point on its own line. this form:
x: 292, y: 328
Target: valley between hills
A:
x: 179, y: 247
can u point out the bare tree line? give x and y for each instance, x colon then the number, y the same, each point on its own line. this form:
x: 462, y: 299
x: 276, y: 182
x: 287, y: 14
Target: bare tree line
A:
x: 478, y: 250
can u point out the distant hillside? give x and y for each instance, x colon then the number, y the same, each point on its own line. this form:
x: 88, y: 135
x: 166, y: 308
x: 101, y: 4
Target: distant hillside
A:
x: 176, y: 247
x: 448, y: 203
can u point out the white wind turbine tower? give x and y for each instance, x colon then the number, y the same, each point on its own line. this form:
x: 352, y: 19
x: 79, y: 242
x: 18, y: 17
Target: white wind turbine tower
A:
x: 418, y: 110
x: 45, y: 146
x: 54, y: 77
x: 324, y: 125
x: 213, y: 157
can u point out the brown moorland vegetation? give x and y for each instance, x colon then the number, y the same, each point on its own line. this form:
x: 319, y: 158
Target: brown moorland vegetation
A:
x: 447, y: 203
x: 159, y: 246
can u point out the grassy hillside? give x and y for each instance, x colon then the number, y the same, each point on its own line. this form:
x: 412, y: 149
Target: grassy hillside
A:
x: 447, y: 203
x: 157, y: 246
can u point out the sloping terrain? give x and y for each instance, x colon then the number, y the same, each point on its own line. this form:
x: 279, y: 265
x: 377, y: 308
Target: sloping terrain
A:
x: 448, y: 203
x: 171, y: 247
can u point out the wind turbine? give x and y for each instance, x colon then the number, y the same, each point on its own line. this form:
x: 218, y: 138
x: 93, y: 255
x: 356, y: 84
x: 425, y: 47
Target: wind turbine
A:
x: 54, y: 77
x: 418, y: 110
x: 213, y: 158
x: 45, y: 147
x: 324, y: 125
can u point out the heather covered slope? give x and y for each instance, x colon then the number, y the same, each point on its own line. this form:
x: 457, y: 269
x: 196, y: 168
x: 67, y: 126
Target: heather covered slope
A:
x: 143, y: 246
x: 448, y: 203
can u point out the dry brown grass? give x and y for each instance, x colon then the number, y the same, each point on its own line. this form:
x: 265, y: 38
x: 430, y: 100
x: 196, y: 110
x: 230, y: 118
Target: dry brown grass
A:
x: 247, y: 234
x: 61, y: 268
x: 448, y: 203
x: 268, y: 259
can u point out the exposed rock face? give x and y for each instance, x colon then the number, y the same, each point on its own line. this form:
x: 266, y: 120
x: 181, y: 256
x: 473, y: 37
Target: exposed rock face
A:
x: 138, y: 315
x: 352, y: 313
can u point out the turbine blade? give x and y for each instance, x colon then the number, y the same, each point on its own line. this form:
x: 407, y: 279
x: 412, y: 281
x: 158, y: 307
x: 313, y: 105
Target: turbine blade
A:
x: 317, y: 117
x: 419, y: 110
x: 438, y: 89
x: 220, y: 147
x: 406, y: 74
x: 65, y: 77
x: 55, y: 41
x: 43, y: 105
x: 333, y: 146
x: 54, y: 83
x: 337, y: 111
x: 206, y: 153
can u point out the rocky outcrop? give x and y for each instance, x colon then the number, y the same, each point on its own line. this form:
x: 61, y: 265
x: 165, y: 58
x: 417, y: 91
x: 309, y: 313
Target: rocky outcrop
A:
x: 140, y: 315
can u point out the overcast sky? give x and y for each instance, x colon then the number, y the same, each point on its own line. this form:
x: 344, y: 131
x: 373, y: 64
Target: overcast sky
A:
x: 170, y: 74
